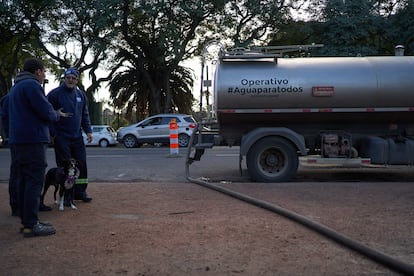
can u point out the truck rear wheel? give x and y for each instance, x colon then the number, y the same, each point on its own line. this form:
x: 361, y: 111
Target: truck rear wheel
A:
x: 272, y: 159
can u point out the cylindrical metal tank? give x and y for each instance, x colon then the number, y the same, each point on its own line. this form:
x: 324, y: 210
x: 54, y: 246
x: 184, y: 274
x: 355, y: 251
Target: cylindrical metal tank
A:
x: 300, y: 84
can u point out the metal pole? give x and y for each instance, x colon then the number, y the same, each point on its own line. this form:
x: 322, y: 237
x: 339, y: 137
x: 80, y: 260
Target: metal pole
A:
x: 203, y: 58
x: 201, y: 85
x: 207, y: 97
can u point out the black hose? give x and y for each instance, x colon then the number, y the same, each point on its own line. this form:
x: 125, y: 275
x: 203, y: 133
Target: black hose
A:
x: 380, y: 258
x: 372, y: 254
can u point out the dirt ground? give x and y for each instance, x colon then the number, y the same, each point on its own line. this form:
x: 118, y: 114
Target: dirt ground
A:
x: 186, y: 229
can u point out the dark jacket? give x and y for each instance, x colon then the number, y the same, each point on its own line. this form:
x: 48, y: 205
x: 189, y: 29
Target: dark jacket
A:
x: 4, y: 114
x: 73, y: 101
x: 28, y: 110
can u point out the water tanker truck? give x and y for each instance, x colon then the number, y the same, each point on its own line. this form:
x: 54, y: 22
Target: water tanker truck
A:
x: 345, y: 109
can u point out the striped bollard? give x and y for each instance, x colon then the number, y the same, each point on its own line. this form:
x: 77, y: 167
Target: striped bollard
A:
x: 173, y: 138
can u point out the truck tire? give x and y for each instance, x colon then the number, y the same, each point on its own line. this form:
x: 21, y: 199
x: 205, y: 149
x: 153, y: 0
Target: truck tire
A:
x: 272, y: 159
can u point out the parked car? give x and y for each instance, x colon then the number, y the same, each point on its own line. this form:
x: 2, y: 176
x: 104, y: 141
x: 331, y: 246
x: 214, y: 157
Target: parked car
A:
x: 156, y: 129
x: 103, y: 136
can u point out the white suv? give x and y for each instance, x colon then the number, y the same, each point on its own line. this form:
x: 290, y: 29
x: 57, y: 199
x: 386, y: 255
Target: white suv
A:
x: 156, y: 129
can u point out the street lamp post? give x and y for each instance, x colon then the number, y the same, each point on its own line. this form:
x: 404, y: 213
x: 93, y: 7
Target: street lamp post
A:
x: 203, y: 60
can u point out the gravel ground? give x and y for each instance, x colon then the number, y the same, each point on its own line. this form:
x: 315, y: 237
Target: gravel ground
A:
x: 185, y: 229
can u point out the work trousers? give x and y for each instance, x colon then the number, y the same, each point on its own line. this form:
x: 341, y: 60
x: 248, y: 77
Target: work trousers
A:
x: 30, y: 161
x: 66, y: 148
x: 14, y: 182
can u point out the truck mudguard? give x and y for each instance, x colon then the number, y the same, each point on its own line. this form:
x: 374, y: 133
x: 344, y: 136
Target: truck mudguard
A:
x: 250, y: 138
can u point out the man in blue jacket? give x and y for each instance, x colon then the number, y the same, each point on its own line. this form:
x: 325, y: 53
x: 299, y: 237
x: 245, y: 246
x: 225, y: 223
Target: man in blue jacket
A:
x: 67, y: 133
x: 13, y: 176
x: 29, y: 114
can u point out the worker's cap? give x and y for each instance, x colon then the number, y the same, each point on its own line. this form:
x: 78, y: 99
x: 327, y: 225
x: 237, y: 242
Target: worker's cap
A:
x: 72, y: 71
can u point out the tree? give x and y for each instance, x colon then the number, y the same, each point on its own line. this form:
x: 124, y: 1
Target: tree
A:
x: 350, y: 27
x: 18, y: 37
x: 247, y: 22
x: 158, y: 35
x: 79, y: 35
x: 401, y: 28
x: 294, y: 32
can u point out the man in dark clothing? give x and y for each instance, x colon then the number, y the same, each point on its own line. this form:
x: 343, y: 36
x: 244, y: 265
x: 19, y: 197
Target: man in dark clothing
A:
x: 29, y: 115
x: 67, y: 133
x: 13, y: 177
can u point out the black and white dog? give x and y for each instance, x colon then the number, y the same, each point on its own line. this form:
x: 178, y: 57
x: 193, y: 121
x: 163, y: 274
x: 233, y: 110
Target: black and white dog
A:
x: 63, y: 179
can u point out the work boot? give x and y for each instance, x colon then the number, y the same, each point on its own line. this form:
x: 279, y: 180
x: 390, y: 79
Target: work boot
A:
x: 45, y: 223
x: 39, y: 229
x: 84, y: 197
x: 44, y: 208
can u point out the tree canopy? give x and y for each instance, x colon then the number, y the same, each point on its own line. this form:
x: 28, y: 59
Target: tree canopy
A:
x: 353, y: 27
x: 140, y: 44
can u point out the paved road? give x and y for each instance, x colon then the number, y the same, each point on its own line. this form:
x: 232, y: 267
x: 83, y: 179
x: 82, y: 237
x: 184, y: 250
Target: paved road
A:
x: 143, y: 164
x: 153, y: 164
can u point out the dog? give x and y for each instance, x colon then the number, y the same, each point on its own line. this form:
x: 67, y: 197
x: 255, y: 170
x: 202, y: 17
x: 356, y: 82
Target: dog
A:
x: 63, y: 179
